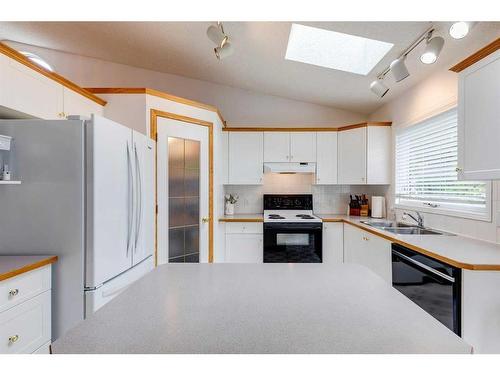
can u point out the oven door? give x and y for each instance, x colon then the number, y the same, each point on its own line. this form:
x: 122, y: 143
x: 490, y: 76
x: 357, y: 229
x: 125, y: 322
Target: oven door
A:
x: 433, y: 285
x: 293, y: 242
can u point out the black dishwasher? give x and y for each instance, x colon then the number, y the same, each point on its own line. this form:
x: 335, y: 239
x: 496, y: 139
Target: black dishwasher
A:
x: 433, y: 285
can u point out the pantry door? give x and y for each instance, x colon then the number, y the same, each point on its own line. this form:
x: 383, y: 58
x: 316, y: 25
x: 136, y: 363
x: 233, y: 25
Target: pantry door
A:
x: 184, y: 195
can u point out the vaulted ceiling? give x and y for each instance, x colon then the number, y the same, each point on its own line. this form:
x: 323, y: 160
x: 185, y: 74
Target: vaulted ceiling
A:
x: 258, y: 62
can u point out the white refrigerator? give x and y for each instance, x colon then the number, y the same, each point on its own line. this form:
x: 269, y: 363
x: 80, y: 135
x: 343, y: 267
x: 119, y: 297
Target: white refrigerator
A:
x: 86, y: 195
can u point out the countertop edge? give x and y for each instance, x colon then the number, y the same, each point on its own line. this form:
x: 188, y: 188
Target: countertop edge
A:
x: 467, y: 266
x: 28, y: 267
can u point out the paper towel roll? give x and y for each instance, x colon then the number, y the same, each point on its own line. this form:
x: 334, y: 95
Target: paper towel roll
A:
x: 378, y: 207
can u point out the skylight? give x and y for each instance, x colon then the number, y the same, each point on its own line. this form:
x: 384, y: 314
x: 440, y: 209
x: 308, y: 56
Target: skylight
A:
x: 334, y: 50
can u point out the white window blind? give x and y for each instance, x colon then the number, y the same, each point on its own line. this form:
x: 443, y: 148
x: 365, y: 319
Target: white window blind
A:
x: 426, y: 176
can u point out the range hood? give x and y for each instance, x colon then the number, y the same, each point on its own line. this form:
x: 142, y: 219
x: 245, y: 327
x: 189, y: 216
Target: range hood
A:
x: 289, y: 167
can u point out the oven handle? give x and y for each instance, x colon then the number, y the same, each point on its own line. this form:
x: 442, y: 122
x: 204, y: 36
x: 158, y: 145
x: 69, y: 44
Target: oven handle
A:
x: 424, y: 266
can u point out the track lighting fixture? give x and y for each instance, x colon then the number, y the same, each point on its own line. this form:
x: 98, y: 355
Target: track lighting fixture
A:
x: 460, y: 29
x: 378, y: 88
x: 432, y: 50
x: 217, y: 35
x: 398, y: 69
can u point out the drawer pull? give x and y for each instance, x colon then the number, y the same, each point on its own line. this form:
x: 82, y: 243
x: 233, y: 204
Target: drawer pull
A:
x: 365, y: 238
x: 13, y: 292
x: 13, y: 339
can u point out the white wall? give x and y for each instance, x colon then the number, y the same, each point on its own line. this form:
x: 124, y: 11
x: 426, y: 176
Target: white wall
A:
x: 431, y: 96
x: 239, y: 107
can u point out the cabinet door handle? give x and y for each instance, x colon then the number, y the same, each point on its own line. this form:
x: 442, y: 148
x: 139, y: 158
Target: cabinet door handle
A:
x: 13, y: 339
x: 13, y: 292
x: 365, y: 238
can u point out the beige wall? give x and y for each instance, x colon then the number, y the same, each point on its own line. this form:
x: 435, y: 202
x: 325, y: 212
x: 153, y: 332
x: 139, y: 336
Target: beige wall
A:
x: 431, y: 96
x: 239, y: 107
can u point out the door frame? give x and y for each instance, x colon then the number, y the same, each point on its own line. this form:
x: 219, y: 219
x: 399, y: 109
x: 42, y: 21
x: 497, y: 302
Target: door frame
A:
x: 154, y: 114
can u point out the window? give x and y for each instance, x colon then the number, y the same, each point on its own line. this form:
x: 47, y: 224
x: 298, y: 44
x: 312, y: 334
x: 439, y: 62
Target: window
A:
x: 330, y: 49
x: 426, y: 176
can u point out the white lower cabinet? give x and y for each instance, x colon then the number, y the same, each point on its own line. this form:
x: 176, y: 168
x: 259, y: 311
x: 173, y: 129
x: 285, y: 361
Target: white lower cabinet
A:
x: 333, y: 243
x: 244, y: 243
x: 481, y: 310
x: 25, y: 313
x: 368, y: 250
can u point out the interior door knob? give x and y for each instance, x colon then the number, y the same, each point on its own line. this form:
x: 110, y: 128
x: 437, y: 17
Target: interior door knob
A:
x: 205, y: 220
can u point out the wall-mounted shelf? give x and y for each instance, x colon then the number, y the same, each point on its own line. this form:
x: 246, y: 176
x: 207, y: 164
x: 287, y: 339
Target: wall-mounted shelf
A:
x: 9, y: 182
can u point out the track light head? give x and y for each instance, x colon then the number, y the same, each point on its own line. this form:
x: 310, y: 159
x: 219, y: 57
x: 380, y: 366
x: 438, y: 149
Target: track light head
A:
x: 398, y: 69
x: 432, y: 50
x: 215, y: 34
x: 460, y: 29
x: 225, y: 50
x: 378, y: 88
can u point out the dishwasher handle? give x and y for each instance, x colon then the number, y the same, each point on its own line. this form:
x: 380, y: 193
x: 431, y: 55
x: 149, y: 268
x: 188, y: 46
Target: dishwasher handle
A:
x: 423, y: 266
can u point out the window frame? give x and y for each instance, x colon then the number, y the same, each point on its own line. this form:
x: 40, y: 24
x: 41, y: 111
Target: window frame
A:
x: 447, y: 210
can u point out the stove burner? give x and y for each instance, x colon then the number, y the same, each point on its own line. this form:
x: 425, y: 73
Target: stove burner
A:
x: 275, y: 216
x: 305, y: 216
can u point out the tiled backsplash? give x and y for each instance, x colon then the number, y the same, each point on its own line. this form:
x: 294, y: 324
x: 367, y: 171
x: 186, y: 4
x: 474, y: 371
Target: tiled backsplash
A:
x: 328, y: 199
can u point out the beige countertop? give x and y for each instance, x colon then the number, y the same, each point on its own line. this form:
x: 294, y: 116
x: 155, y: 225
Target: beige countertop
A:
x: 459, y: 251
x: 274, y: 308
x: 13, y: 265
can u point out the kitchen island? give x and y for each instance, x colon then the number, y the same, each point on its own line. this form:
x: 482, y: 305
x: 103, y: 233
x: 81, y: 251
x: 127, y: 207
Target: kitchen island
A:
x: 260, y: 308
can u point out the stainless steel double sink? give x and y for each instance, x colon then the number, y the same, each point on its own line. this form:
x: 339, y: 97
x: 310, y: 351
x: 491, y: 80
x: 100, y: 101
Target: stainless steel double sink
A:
x: 402, y: 228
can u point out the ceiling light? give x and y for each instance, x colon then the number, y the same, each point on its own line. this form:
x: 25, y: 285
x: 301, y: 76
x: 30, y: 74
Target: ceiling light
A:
x: 460, y: 29
x: 217, y: 35
x: 334, y: 50
x: 432, y: 50
x: 37, y: 60
x: 398, y: 69
x: 224, y: 51
x: 378, y: 88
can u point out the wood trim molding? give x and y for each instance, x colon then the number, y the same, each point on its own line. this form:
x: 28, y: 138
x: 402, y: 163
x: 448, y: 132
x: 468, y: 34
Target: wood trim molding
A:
x: 159, y: 94
x: 240, y: 220
x: 29, y: 267
x: 304, y: 129
x: 154, y: 113
x: 475, y: 57
x: 19, y: 57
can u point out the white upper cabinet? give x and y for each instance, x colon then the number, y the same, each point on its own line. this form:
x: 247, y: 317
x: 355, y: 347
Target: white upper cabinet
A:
x: 32, y: 94
x: 479, y: 120
x: 378, y: 155
x: 282, y: 147
x: 24, y: 90
x: 276, y: 147
x: 76, y: 104
x: 245, y: 156
x: 365, y: 155
x: 352, y: 156
x: 326, y: 158
x: 303, y: 147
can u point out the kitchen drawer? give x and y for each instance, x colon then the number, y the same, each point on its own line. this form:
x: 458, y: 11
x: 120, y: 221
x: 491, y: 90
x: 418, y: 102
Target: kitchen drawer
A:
x: 20, y: 288
x: 244, y: 228
x: 26, y: 327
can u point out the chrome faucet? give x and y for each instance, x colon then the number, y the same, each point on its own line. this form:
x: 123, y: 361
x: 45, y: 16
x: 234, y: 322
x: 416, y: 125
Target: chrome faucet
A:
x: 419, y: 219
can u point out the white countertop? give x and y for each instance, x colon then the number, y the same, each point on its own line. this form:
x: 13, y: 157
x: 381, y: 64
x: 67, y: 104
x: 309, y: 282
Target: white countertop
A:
x: 460, y: 251
x: 260, y: 308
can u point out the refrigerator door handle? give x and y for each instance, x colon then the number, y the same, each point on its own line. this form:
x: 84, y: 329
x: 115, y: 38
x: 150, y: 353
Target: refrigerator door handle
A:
x: 131, y: 198
x: 139, y: 197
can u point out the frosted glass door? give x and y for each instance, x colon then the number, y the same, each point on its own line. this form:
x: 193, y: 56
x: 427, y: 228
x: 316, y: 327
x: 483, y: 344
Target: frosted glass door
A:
x: 183, y: 192
x: 184, y: 200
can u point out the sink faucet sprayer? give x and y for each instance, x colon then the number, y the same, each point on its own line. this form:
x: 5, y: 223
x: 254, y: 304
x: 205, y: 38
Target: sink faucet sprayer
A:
x: 419, y: 219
